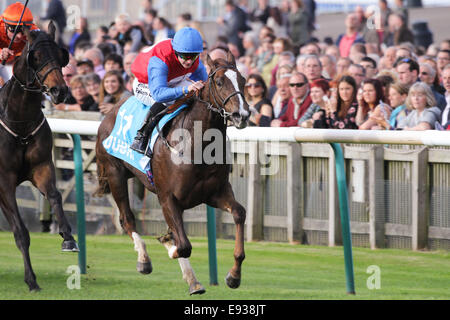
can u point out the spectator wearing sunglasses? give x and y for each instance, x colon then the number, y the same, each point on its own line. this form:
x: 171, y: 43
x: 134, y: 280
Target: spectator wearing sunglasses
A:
x: 8, y: 23
x: 162, y: 75
x: 298, y: 103
x: 256, y: 97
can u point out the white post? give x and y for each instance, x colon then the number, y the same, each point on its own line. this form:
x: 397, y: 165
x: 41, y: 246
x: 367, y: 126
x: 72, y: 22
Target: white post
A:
x: 84, y: 8
x: 199, y: 10
x: 346, y: 7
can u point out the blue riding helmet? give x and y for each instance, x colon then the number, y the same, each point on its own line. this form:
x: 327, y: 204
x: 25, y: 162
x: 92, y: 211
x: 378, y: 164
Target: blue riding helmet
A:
x: 187, y: 40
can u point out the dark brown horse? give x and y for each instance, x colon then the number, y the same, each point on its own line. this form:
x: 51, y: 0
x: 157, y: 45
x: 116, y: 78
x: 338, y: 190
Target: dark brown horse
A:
x: 181, y: 180
x: 26, y: 139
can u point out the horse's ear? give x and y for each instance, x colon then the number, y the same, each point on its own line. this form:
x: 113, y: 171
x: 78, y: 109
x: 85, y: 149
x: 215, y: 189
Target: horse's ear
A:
x: 210, y: 62
x: 230, y: 58
x: 52, y: 30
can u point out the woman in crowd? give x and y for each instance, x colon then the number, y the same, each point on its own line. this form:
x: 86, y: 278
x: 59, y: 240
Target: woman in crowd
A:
x: 319, y: 92
x: 397, y: 97
x: 341, y: 112
x: 371, y: 97
x: 422, y: 104
x: 112, y: 90
x: 80, y: 34
x: 92, y: 83
x: 256, y: 96
x: 79, y: 99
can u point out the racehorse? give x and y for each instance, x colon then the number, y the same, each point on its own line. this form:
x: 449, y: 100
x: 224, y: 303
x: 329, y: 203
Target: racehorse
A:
x: 182, y: 185
x: 26, y: 139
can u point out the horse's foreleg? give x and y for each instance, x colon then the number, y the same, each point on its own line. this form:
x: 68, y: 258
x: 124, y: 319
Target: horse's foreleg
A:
x: 45, y: 180
x: 181, y: 248
x: 226, y: 201
x: 9, y: 207
x: 195, y: 287
x: 119, y: 189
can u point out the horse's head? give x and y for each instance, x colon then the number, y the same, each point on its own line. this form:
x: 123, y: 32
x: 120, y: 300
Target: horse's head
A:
x: 43, y: 60
x: 226, y: 90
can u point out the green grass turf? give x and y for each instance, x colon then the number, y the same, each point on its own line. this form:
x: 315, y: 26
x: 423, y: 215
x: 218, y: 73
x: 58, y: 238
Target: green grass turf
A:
x: 270, y: 271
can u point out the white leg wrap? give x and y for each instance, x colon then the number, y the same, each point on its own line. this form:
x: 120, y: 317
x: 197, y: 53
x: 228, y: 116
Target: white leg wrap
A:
x: 172, y: 251
x: 139, y: 246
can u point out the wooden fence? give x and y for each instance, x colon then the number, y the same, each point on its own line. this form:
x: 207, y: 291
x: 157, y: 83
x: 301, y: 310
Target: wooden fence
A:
x: 399, y: 195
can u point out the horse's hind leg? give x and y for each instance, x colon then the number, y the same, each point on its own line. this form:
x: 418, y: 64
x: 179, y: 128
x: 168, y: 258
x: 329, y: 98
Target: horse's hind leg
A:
x: 118, y: 184
x: 44, y: 179
x: 195, y: 287
x: 226, y: 201
x: 21, y: 235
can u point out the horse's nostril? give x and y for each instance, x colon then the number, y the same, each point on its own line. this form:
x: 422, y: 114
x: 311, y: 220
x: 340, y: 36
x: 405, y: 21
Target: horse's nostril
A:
x: 54, y: 91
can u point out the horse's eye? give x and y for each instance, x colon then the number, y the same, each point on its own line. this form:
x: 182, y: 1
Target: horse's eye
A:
x: 219, y: 82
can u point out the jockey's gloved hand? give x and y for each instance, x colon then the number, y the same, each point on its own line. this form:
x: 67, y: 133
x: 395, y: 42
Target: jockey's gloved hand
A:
x: 6, y: 53
x: 196, y: 86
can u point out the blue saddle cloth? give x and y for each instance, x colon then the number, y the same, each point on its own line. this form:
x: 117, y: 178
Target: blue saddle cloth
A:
x: 129, y: 119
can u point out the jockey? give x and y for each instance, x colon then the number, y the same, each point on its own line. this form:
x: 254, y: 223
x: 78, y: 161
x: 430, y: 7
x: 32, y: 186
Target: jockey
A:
x: 8, y: 22
x: 166, y: 68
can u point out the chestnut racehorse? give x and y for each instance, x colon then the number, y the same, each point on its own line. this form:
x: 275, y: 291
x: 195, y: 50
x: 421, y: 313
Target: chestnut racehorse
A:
x: 182, y: 184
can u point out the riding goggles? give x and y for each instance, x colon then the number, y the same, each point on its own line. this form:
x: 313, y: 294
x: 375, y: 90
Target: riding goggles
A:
x: 187, y: 56
x: 12, y: 28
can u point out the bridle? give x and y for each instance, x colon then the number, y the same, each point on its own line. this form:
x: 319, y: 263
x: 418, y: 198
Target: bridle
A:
x: 42, y: 88
x: 219, y: 106
x: 36, y: 76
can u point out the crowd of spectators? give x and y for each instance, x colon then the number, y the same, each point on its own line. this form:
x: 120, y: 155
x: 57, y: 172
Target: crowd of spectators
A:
x: 371, y: 76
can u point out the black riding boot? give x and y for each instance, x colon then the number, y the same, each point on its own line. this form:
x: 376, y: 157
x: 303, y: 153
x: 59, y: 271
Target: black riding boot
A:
x: 149, y: 130
x: 141, y: 140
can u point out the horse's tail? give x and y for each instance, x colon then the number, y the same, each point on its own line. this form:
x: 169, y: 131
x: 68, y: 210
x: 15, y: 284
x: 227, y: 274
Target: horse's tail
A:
x: 103, y: 185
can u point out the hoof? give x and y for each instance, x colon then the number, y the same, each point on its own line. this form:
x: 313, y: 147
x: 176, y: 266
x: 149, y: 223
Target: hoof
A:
x: 144, y: 267
x: 35, y: 288
x: 196, y: 288
x: 69, y: 246
x: 231, y: 282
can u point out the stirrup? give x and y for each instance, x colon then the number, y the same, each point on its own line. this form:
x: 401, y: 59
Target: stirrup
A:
x: 139, y: 143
